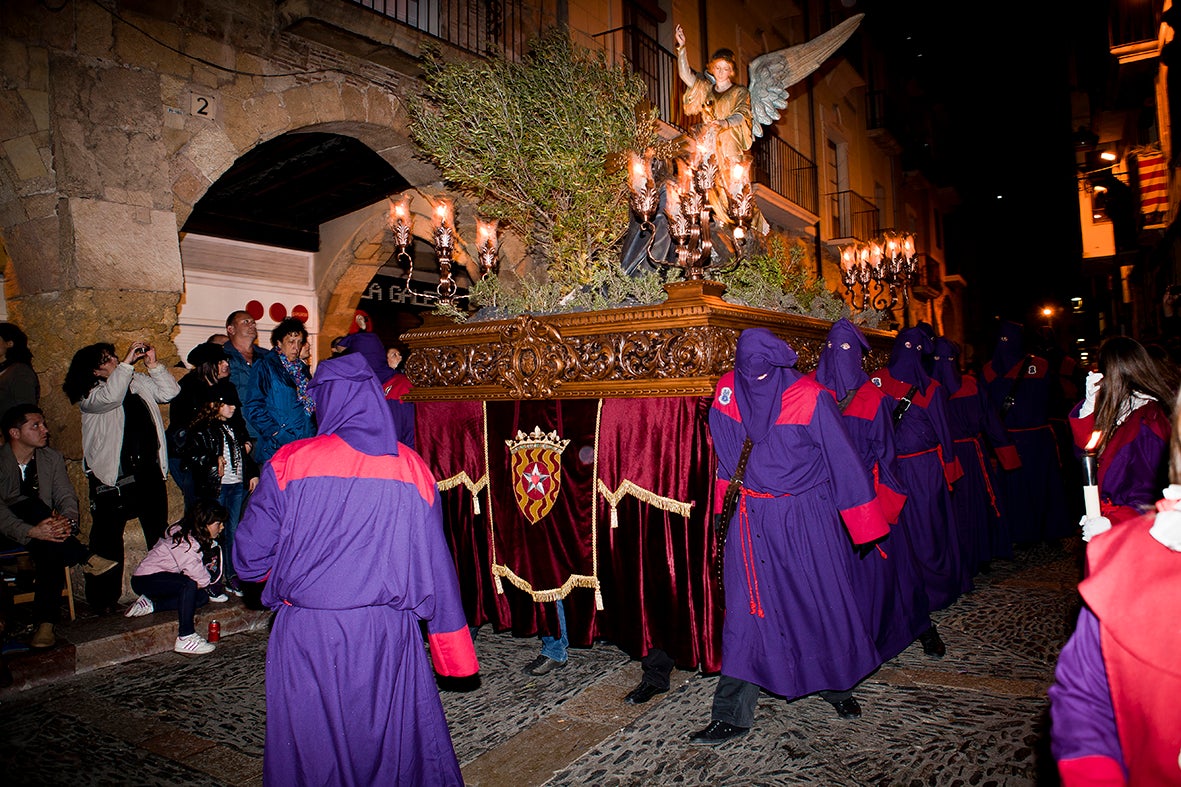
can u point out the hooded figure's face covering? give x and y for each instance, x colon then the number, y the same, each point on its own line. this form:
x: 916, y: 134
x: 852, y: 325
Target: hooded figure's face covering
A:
x: 350, y: 404
x: 762, y: 370
x: 840, y: 368
x: 947, y: 364
x: 906, y: 357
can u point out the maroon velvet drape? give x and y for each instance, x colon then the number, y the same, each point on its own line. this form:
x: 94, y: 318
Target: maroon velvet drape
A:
x: 654, y: 568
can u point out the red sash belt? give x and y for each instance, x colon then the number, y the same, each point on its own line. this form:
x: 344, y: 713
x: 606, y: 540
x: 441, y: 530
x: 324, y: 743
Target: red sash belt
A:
x: 746, y: 544
x: 975, y: 441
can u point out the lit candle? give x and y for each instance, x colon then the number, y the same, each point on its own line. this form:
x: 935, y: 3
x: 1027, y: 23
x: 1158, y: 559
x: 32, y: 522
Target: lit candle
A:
x: 1091, y: 476
x: 737, y: 178
x: 641, y: 173
x: 486, y: 232
x: 442, y: 214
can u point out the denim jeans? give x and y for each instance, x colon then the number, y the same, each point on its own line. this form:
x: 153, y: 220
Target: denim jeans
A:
x: 172, y: 591
x: 555, y: 647
x: 232, y: 496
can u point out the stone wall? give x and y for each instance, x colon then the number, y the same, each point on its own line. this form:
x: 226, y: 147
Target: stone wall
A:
x: 102, y: 159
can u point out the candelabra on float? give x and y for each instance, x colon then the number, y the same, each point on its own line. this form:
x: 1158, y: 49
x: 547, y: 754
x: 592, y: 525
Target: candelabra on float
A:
x: 444, y: 246
x: 486, y: 248
x: 400, y: 227
x: 887, y: 264
x: 688, y: 210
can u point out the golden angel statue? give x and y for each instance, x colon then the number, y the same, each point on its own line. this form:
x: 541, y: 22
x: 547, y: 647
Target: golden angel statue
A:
x: 732, y: 115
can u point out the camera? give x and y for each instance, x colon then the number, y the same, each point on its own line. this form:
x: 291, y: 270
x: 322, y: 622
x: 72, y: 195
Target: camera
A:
x: 142, y: 351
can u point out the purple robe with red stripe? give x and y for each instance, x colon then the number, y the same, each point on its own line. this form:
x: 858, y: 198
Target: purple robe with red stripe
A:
x: 346, y: 529
x: 926, y: 468
x: 794, y: 625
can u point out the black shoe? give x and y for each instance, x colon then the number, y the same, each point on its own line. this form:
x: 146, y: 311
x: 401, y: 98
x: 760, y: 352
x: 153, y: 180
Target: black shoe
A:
x: 642, y: 693
x: 542, y: 665
x: 847, y: 708
x: 717, y: 732
x: 932, y: 645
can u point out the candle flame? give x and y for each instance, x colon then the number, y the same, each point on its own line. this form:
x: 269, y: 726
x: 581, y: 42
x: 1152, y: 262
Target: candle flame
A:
x: 1094, y: 441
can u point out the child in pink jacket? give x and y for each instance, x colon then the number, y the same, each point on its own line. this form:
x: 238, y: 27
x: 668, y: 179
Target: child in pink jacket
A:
x: 175, y: 573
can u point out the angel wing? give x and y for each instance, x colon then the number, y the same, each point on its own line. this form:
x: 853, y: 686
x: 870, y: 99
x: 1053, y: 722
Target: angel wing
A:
x: 773, y: 73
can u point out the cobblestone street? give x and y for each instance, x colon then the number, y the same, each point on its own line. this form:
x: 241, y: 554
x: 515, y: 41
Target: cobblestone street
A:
x: 977, y: 717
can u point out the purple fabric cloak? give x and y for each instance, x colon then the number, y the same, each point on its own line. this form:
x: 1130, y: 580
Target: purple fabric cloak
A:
x: 346, y: 530
x: 924, y: 447
x: 793, y: 624
x: 976, y: 429
x: 1036, y: 487
x: 887, y: 579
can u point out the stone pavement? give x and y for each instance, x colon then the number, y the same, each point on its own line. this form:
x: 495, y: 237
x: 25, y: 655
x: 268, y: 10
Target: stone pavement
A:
x: 977, y: 717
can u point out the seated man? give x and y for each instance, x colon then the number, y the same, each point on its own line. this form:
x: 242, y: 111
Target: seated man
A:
x: 39, y: 512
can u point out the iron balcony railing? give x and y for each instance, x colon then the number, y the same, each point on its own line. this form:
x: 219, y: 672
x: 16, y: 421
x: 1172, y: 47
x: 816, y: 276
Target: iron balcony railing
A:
x: 852, y: 215
x: 482, y: 27
x: 652, y: 63
x: 1131, y: 23
x: 786, y: 171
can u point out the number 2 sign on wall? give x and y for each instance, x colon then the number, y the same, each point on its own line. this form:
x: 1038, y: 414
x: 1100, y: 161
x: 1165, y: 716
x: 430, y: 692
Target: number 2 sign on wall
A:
x: 203, y: 106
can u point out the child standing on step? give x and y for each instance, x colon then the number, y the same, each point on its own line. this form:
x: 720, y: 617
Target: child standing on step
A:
x: 175, y: 573
x: 217, y: 454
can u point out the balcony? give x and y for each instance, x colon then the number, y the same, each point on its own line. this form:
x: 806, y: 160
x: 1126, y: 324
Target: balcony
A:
x: 787, y: 172
x: 928, y: 284
x: 654, y: 64
x: 391, y: 33
x: 853, y: 218
x: 1134, y: 30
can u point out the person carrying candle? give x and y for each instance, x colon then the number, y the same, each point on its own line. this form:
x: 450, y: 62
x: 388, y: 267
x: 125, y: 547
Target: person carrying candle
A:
x: 1124, y: 403
x: 1113, y: 705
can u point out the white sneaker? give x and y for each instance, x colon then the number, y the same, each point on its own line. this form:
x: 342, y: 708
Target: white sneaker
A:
x: 193, y: 645
x: 142, y: 606
x: 220, y: 598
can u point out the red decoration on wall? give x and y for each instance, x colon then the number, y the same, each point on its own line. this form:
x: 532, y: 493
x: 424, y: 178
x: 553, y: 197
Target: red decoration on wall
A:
x: 254, y: 309
x: 300, y: 312
x: 278, y: 312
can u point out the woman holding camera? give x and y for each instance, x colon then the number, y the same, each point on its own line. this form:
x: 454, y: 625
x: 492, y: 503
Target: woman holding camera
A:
x: 124, y: 451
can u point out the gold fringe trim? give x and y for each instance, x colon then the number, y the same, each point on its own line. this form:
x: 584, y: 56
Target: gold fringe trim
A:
x: 474, y: 487
x: 648, y: 496
x: 491, y: 526
x: 553, y: 594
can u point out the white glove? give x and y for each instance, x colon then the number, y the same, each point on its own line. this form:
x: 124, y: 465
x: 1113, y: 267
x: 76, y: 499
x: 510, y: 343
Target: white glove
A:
x: 1094, y: 525
x: 1166, y: 528
x: 1093, y: 381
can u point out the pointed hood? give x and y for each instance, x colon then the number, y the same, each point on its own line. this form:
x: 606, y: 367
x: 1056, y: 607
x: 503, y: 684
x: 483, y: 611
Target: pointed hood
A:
x: 350, y: 404
x: 369, y: 346
x: 906, y: 357
x: 762, y: 370
x: 840, y: 368
x: 1009, y: 348
x: 947, y: 364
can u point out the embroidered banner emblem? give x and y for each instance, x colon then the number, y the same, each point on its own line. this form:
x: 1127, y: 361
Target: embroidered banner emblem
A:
x: 536, y: 468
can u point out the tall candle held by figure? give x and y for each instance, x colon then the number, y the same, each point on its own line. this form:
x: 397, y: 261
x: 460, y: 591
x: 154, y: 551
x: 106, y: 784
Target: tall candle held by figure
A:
x: 1091, y: 476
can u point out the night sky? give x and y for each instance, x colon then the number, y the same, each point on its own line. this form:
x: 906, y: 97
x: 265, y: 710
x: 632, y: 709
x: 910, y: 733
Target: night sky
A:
x: 1004, y: 71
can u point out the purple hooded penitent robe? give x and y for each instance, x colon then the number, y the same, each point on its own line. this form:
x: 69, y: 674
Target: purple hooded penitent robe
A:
x: 793, y: 624
x: 346, y: 529
x: 926, y: 468
x: 370, y: 347
x: 887, y: 578
x: 976, y: 429
x: 1039, y: 504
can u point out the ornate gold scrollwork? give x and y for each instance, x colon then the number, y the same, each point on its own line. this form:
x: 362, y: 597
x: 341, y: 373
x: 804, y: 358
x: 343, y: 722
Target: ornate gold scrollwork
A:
x: 533, y: 358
